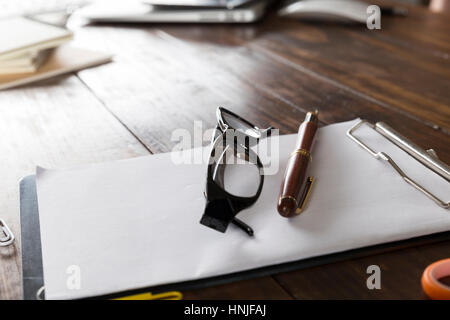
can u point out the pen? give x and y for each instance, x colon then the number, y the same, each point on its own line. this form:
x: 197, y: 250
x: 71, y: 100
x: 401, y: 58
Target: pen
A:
x: 288, y: 202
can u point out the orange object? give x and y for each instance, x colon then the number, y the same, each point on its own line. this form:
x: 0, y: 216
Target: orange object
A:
x: 435, y: 289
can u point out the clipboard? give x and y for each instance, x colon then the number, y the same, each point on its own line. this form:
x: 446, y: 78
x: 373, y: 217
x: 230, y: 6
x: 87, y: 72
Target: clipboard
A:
x: 32, y: 269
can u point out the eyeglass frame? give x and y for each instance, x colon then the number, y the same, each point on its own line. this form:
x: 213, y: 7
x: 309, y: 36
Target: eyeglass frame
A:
x: 224, y: 205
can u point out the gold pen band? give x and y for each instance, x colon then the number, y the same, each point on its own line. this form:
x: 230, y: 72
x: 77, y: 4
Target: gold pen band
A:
x: 303, y: 152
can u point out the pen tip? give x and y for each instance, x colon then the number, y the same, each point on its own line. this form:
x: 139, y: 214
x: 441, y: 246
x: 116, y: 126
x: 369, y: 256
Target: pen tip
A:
x: 312, y: 116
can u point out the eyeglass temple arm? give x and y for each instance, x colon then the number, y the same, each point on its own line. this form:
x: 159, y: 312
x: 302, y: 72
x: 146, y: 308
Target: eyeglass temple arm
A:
x: 243, y: 226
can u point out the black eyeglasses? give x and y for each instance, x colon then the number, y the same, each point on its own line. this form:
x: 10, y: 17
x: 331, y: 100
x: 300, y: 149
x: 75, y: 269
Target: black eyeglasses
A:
x: 229, y: 191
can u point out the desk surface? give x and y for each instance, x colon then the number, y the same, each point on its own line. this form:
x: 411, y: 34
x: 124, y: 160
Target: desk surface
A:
x: 166, y: 76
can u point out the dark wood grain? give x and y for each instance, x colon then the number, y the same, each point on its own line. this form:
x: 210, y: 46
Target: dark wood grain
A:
x: 301, y: 87
x: 224, y: 73
x: 167, y: 77
x: 408, y: 81
x: 245, y: 290
x: 400, y: 276
x: 380, y: 66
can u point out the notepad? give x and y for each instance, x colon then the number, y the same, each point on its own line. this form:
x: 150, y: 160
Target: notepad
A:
x: 61, y: 60
x: 24, y: 63
x: 20, y: 35
x: 134, y: 223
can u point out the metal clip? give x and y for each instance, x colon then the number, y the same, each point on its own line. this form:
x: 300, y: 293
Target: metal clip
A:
x: 40, y: 294
x: 6, y: 236
x: 305, y: 194
x: 412, y: 149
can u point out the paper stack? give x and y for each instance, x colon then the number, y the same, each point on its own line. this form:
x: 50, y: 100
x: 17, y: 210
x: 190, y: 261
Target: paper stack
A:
x: 25, y: 44
x: 32, y: 50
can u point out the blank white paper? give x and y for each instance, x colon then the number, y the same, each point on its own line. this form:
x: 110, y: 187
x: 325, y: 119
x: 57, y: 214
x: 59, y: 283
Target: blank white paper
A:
x: 135, y: 223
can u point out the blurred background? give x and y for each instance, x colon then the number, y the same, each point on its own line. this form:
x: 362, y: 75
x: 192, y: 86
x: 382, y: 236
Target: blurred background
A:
x: 8, y: 7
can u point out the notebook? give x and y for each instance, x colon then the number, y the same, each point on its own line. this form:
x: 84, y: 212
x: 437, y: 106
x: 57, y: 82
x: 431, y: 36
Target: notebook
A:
x: 25, y: 63
x: 20, y: 35
x: 135, y: 223
x: 61, y: 60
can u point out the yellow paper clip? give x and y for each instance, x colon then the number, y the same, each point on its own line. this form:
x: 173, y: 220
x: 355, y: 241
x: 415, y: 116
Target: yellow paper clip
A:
x: 169, y: 295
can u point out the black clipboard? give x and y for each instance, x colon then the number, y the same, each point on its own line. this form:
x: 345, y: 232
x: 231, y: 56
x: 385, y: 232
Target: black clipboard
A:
x: 32, y: 269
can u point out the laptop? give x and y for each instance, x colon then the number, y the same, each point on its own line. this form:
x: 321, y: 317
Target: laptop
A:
x: 176, y: 11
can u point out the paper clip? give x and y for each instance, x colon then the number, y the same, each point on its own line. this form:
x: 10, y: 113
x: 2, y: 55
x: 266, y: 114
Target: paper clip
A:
x: 427, y: 158
x: 40, y: 294
x: 6, y: 236
x: 170, y: 295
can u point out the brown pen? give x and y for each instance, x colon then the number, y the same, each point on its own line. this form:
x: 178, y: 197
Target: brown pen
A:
x: 290, y: 201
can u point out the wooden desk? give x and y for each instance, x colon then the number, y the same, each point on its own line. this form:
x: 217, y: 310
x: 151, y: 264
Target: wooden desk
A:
x: 166, y: 76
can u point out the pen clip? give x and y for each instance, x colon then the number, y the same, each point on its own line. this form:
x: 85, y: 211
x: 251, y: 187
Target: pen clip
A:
x: 305, y: 194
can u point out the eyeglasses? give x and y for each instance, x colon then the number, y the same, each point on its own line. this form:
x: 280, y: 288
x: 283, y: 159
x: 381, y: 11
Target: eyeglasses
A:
x: 235, y: 175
